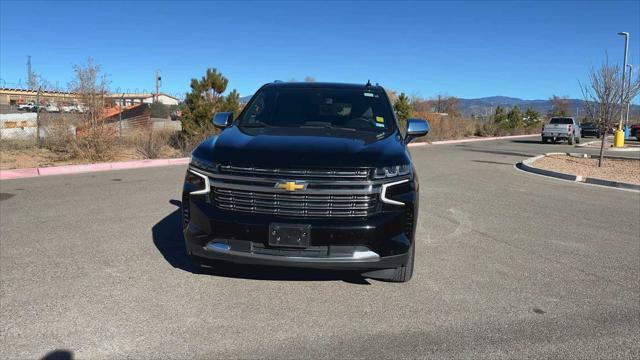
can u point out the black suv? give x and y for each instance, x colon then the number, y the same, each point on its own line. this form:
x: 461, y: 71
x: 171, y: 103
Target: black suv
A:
x: 313, y: 175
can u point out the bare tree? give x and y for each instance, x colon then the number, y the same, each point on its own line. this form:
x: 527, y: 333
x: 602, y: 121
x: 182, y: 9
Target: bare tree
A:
x: 92, y: 86
x: 450, y: 105
x: 392, y: 95
x: 560, y: 106
x: 604, y: 97
x: 95, y: 139
x: 309, y: 78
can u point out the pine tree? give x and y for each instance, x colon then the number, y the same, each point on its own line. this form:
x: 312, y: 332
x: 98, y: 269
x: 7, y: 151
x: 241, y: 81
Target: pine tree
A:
x: 231, y: 103
x: 531, y: 117
x: 402, y: 106
x: 499, y: 116
x: 204, y: 99
x: 514, y: 118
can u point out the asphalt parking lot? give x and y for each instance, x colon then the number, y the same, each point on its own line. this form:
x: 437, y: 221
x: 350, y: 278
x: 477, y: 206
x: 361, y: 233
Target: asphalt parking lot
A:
x: 508, y: 264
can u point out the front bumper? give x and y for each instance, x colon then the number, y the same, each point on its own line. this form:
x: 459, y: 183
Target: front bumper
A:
x: 555, y: 135
x: 590, y: 133
x: 379, y: 241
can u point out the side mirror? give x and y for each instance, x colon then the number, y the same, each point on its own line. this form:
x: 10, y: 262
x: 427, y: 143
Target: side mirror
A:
x: 415, y: 129
x: 222, y: 120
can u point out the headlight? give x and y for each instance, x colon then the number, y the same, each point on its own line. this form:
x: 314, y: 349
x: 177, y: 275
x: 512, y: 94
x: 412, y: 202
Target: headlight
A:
x: 392, y: 171
x: 203, y: 164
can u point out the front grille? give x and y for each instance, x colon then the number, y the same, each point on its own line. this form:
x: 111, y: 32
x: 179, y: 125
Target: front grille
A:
x: 296, y: 205
x: 408, y: 222
x: 186, y: 214
x: 339, y: 174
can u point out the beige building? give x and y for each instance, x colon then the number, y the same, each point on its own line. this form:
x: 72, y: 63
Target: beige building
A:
x: 19, y: 96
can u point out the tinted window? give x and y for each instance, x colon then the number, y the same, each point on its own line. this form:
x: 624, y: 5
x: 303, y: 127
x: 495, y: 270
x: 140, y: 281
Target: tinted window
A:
x: 561, y: 121
x: 319, y: 107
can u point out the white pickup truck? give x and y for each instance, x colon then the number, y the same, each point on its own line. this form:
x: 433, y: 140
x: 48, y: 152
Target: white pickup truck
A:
x: 26, y: 106
x: 562, y: 128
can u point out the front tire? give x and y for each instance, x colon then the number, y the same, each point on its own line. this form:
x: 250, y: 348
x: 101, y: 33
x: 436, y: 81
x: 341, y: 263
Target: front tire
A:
x: 404, y: 273
x: 400, y: 274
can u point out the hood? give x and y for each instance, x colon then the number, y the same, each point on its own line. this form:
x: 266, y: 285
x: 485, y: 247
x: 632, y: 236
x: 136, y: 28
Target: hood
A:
x: 273, y: 147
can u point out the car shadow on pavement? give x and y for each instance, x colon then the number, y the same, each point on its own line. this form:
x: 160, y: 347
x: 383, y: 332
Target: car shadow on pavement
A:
x: 499, y: 152
x: 538, y: 141
x: 58, y: 355
x: 169, y: 240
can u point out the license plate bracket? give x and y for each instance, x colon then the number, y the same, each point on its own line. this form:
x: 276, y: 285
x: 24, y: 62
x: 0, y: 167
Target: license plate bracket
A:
x: 289, y: 235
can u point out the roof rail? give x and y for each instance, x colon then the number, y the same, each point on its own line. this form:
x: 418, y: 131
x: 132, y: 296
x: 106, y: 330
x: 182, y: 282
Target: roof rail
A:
x: 277, y: 81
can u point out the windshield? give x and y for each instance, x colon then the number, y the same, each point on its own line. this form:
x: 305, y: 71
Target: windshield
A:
x: 350, y: 109
x: 563, y: 121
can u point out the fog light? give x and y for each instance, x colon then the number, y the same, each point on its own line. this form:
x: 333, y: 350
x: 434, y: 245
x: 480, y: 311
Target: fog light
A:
x: 218, y: 246
x: 364, y: 254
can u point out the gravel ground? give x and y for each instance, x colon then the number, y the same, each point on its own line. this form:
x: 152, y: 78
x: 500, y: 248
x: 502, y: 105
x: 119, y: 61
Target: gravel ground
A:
x: 627, y: 171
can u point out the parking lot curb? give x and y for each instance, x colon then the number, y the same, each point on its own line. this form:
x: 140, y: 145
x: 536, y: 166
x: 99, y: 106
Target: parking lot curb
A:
x: 587, y: 143
x: 625, y: 149
x: 614, y: 184
x: 527, y: 165
x: 87, y: 168
x: 447, y: 142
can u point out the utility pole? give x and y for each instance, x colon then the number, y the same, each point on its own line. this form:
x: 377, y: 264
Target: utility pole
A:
x: 628, y: 89
x: 120, y: 114
x: 30, y: 77
x: 38, y: 118
x: 158, y: 79
x: 624, y: 72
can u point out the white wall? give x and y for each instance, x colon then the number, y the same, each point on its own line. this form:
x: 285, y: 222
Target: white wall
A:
x: 163, y: 99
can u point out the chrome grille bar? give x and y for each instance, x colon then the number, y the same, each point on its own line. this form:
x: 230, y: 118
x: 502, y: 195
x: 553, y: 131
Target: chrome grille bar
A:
x: 328, y: 193
x: 298, y: 173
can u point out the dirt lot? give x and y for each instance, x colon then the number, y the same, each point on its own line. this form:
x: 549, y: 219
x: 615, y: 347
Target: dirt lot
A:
x: 34, y: 157
x: 627, y: 171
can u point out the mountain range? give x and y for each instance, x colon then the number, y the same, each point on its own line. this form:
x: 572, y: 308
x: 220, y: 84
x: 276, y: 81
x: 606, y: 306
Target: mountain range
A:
x: 486, y: 105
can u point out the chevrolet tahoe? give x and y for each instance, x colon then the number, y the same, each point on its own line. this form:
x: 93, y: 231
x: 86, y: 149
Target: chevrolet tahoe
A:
x: 312, y: 175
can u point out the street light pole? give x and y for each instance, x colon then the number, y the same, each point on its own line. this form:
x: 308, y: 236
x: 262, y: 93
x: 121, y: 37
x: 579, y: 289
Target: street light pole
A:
x: 624, y: 72
x: 629, y: 89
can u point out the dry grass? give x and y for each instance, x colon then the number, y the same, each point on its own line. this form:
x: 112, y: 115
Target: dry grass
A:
x: 61, y: 148
x: 96, y: 143
x: 155, y: 144
x: 627, y: 171
x: 451, y: 127
x: 60, y: 138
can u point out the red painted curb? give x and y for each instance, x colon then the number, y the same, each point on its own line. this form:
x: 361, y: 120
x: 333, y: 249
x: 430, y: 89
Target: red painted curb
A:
x: 86, y: 168
x: 18, y: 173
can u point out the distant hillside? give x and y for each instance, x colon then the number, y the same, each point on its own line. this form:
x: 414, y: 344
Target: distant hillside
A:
x: 486, y: 105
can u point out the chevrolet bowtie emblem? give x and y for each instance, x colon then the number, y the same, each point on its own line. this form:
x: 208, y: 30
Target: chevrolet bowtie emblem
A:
x: 290, y: 186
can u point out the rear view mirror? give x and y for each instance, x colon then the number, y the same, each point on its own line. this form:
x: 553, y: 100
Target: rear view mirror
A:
x: 416, y: 128
x: 222, y: 120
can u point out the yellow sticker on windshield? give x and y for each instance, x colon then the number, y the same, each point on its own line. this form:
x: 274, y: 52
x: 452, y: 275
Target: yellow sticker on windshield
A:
x: 379, y: 119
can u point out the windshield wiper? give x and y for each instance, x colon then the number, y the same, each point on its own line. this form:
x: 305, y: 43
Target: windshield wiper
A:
x: 325, y: 126
x: 256, y: 124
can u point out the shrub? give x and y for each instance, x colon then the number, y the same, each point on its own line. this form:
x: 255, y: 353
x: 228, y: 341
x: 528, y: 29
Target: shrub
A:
x: 96, y: 142
x: 150, y: 144
x: 59, y: 137
x: 159, y: 110
x: 17, y: 144
x: 486, y: 129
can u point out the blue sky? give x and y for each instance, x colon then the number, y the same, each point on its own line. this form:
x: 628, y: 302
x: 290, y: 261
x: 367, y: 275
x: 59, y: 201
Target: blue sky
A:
x: 529, y: 50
